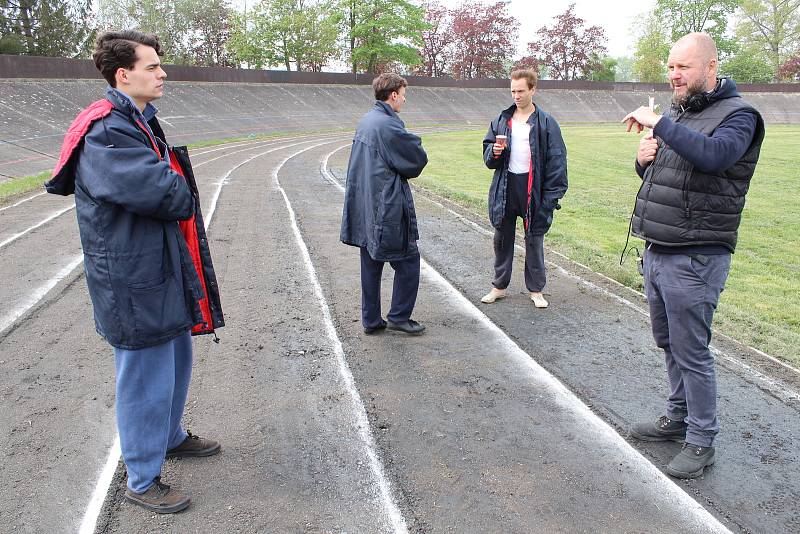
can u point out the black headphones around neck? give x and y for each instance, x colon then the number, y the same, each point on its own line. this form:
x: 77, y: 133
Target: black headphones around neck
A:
x: 700, y: 101
x: 697, y: 102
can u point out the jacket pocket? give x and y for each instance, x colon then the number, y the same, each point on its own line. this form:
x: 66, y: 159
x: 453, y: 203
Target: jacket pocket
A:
x: 157, y: 307
x: 391, y: 237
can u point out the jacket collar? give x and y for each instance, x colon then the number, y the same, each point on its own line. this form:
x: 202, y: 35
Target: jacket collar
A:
x: 126, y: 104
x: 509, y: 112
x: 386, y: 108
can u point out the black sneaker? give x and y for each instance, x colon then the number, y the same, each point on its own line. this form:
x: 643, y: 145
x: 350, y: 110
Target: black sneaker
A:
x: 691, y: 461
x: 409, y: 327
x: 369, y: 330
x: 159, y: 498
x: 663, y: 429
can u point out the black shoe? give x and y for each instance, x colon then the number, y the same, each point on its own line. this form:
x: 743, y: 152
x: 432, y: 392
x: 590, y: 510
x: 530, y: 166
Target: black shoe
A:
x: 663, y: 429
x: 691, y: 461
x: 369, y: 330
x: 409, y: 327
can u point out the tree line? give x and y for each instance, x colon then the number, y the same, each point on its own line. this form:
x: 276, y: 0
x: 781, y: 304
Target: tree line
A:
x: 758, y: 40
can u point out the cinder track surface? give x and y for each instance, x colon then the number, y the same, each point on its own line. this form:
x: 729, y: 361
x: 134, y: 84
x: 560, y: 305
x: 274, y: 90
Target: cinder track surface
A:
x: 324, y: 429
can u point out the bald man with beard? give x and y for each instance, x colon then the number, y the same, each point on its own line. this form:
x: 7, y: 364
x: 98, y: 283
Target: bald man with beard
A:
x: 695, y: 167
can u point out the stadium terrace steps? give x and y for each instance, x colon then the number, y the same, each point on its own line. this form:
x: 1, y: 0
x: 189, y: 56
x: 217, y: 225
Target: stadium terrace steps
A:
x: 36, y: 113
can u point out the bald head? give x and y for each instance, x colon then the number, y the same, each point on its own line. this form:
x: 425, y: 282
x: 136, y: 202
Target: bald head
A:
x: 701, y: 44
x: 692, y: 65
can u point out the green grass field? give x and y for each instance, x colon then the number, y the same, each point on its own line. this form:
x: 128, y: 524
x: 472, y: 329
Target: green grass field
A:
x: 761, y: 302
x: 18, y: 186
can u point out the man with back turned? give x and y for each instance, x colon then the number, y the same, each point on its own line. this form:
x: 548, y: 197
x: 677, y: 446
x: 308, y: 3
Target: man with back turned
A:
x: 379, y: 215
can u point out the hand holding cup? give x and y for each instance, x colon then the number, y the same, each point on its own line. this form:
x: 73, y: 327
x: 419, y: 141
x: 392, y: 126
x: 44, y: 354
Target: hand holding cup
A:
x: 500, y: 143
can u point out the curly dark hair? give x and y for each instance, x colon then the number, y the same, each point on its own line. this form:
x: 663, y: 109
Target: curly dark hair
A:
x: 117, y: 50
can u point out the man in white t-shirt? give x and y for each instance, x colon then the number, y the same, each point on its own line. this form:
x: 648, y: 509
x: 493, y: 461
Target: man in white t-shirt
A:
x: 526, y: 151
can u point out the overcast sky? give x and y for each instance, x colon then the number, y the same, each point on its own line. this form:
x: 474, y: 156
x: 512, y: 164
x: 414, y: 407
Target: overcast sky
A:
x: 617, y: 17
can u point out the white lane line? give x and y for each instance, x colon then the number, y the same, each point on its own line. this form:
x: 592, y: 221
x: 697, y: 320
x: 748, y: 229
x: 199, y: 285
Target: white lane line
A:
x: 567, y: 398
x: 224, y: 179
x: 782, y: 391
x: 24, y: 200
x: 392, y: 510
x: 667, y: 490
x: 35, y: 226
x: 11, y: 317
x: 92, y: 512
x: 89, y: 522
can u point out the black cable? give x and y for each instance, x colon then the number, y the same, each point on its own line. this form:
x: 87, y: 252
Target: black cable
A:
x: 8, y: 176
x: 630, y: 227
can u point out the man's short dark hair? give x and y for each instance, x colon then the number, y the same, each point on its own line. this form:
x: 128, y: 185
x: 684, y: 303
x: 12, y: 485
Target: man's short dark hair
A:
x: 117, y: 50
x: 386, y: 84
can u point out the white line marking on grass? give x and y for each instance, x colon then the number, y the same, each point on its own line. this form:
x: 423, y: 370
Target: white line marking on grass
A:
x: 392, y: 510
x: 35, y: 226
x: 11, y: 317
x: 101, y: 489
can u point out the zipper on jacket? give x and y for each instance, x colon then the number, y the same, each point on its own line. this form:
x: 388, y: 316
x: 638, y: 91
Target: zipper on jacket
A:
x: 686, y: 211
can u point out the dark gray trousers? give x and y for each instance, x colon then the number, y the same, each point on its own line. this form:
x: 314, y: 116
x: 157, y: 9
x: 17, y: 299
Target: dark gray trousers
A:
x: 504, y: 237
x: 683, y: 292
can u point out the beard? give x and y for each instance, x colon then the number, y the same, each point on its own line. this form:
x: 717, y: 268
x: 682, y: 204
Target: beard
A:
x: 692, y: 89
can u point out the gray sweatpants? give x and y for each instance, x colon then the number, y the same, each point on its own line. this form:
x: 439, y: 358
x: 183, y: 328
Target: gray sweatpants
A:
x: 516, y: 206
x: 683, y: 292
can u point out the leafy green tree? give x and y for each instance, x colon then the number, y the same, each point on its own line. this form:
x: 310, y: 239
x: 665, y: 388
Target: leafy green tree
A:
x: 380, y: 33
x: 58, y: 28
x: 652, y: 50
x: 286, y: 32
x: 209, y: 32
x: 605, y: 70
x: 170, y: 20
x: 709, y: 16
x: 242, y: 44
x: 192, y: 32
x: 624, y: 69
x: 747, y: 66
x: 771, y: 27
x: 316, y: 37
x: 11, y: 44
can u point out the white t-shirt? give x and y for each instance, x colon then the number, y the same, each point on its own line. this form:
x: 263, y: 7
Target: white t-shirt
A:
x: 520, y: 161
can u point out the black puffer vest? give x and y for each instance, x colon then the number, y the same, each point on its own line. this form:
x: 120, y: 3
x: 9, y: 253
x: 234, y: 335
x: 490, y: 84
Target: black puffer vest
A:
x: 679, y: 205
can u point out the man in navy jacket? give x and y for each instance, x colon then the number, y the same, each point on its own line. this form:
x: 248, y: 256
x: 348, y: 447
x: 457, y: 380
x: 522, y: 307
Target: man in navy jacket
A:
x: 138, y: 216
x: 530, y: 177
x: 379, y: 215
x: 696, y: 167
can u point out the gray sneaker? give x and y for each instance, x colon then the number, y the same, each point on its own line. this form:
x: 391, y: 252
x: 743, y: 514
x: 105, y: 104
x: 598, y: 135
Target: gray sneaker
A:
x: 691, y: 461
x: 663, y: 429
x: 159, y: 498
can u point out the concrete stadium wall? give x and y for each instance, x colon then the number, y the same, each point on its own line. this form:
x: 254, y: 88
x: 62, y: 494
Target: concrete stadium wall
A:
x: 35, y: 113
